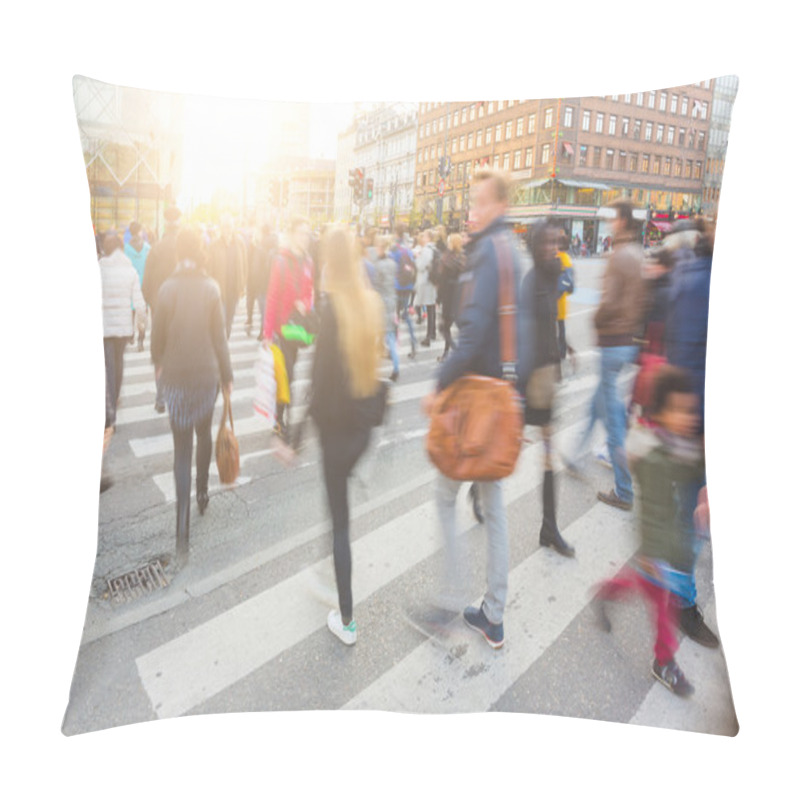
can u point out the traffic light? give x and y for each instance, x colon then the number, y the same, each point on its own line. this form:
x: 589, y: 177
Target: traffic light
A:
x: 370, y: 187
x: 358, y: 185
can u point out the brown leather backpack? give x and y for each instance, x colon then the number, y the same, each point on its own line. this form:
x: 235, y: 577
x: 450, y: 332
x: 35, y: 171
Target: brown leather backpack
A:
x: 227, y: 449
x: 477, y: 422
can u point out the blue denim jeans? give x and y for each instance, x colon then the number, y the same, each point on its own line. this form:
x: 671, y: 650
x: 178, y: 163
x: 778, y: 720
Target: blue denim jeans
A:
x: 609, y: 408
x: 687, y: 501
x: 391, y: 343
x: 403, y: 303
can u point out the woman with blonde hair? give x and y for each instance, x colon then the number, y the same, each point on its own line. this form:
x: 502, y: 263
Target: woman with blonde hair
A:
x: 347, y: 397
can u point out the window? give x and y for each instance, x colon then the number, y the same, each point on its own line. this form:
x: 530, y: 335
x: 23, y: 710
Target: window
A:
x: 681, y: 136
x: 697, y: 165
x: 479, y: 137
x: 420, y: 180
x: 464, y: 115
x: 509, y: 129
x: 461, y: 143
x: 704, y: 112
x: 627, y: 98
x: 671, y: 135
x: 420, y: 155
x: 496, y: 162
x: 455, y: 119
x: 678, y: 165
x: 545, y: 153
x: 651, y: 100
x: 612, y: 125
x: 587, y: 119
x: 634, y: 163
x: 498, y: 132
x: 687, y: 171
x: 598, y: 152
x: 506, y: 161
x: 660, y: 133
x: 548, y: 118
x: 472, y: 113
x: 662, y: 103
x: 427, y: 129
x: 637, y: 128
x: 673, y: 104
x: 469, y: 142
x: 528, y: 156
x: 598, y: 125
x: 488, y: 135
x: 568, y: 117
x: 668, y: 166
x: 645, y: 163
x: 626, y: 122
x: 701, y: 140
x: 615, y: 97
x: 491, y: 108
x: 480, y: 111
x: 520, y: 126
x: 648, y: 132
x: 657, y: 165
x: 499, y: 105
x: 621, y: 164
x: 434, y: 125
x: 531, y: 123
x: 454, y: 148
x: 509, y: 104
x: 684, y: 105
x: 582, y: 157
x: 609, y: 159
x: 640, y: 99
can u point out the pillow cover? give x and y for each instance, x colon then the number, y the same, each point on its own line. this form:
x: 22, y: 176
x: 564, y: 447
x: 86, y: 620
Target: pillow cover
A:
x: 227, y: 611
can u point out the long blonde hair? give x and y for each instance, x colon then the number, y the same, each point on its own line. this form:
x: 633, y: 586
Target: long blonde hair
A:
x: 358, y: 309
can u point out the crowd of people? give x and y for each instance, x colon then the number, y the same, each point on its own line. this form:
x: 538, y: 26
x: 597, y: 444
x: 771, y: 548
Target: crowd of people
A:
x: 358, y: 295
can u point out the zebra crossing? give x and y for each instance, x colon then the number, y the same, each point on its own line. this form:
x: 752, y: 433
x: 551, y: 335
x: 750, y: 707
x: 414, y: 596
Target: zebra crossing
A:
x: 252, y: 635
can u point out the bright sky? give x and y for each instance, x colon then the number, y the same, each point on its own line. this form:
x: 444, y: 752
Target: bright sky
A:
x: 224, y: 138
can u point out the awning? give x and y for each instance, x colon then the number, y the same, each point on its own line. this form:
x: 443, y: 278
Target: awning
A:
x: 584, y: 184
x: 664, y: 227
x: 533, y: 184
x: 568, y: 148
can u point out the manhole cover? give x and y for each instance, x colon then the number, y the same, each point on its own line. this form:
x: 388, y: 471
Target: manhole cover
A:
x: 140, y: 581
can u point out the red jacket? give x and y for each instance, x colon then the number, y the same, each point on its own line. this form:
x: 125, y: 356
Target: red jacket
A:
x: 291, y: 279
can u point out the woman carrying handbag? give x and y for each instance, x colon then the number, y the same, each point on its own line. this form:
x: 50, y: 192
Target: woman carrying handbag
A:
x: 347, y: 398
x: 189, y: 348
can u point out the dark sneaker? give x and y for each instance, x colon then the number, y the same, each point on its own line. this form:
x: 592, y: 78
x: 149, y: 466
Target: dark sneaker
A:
x: 692, y: 624
x: 611, y: 499
x: 160, y: 407
x: 476, y: 619
x: 394, y: 376
x: 670, y: 675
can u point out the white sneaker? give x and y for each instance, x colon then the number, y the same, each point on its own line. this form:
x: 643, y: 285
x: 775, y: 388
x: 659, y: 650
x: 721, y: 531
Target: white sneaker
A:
x: 345, y: 633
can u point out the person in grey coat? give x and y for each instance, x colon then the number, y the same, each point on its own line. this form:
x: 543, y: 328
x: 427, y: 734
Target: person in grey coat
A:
x: 385, y: 273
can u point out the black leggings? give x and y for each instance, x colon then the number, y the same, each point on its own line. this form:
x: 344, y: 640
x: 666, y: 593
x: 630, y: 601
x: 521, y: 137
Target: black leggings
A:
x: 341, y: 449
x: 183, y: 440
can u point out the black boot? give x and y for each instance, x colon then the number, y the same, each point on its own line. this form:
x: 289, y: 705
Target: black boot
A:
x: 549, y: 535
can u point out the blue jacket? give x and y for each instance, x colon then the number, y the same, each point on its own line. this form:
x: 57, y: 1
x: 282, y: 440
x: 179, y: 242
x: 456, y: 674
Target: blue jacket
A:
x: 395, y: 253
x: 686, y: 328
x: 478, y: 320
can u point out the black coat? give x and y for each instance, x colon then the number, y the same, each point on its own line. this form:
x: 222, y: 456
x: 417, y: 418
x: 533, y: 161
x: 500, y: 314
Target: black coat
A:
x: 161, y: 261
x: 188, y: 341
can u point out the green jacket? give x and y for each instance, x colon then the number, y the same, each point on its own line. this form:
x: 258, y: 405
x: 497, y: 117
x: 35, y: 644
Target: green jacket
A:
x: 660, y: 465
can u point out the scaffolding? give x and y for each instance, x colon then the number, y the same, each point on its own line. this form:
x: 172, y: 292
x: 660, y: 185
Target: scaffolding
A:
x: 132, y: 142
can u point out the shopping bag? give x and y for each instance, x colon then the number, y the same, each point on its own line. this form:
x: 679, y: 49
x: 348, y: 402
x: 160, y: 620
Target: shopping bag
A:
x: 227, y: 450
x: 281, y: 376
x: 265, y: 398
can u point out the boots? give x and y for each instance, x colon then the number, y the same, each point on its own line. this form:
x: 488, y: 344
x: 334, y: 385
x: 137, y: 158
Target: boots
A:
x: 549, y: 535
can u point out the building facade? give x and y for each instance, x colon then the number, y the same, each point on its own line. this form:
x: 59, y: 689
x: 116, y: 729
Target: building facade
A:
x: 569, y: 157
x: 725, y: 90
x: 131, y: 141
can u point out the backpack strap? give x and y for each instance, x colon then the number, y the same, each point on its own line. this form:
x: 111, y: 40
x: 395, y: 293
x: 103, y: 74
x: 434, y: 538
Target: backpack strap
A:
x: 507, y: 309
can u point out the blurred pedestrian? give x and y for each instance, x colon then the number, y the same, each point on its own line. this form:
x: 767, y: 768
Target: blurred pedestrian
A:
x: 665, y: 457
x: 404, y: 282
x: 290, y: 296
x: 259, y: 261
x: 344, y: 377
x: 540, y: 361
x: 566, y: 287
x: 618, y: 324
x: 136, y: 248
x: 426, y: 290
x: 190, y: 351
x: 685, y: 338
x: 453, y: 265
x: 229, y: 267
x: 121, y: 292
x: 161, y: 261
x: 385, y: 274
x: 478, y: 351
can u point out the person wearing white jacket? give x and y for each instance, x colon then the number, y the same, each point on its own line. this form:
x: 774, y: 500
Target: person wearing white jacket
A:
x: 121, y: 292
x: 426, y: 290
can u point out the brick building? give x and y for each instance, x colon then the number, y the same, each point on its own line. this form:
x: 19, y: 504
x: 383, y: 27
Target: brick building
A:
x: 569, y: 157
